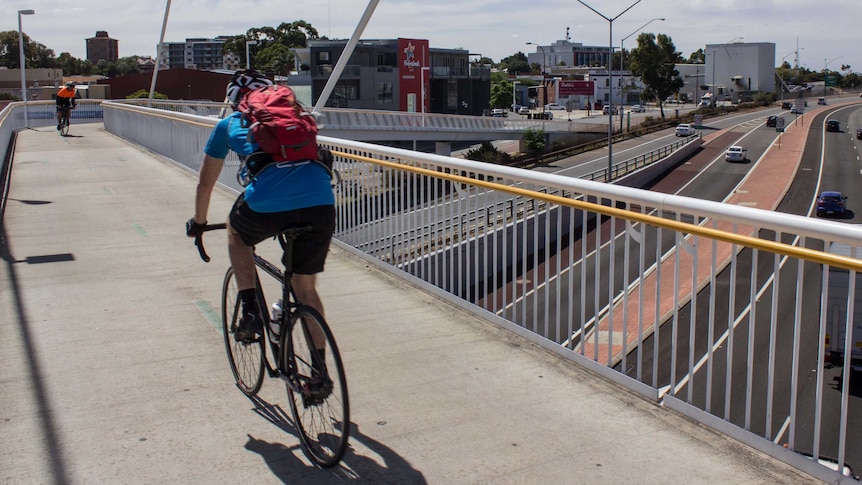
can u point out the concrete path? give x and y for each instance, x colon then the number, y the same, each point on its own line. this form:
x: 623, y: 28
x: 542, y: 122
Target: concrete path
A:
x: 114, y: 370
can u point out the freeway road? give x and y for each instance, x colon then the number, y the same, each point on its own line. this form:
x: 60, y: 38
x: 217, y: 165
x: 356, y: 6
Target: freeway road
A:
x: 758, y: 404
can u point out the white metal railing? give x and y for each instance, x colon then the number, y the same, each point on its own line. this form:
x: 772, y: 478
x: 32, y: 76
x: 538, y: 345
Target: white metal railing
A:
x: 712, y: 309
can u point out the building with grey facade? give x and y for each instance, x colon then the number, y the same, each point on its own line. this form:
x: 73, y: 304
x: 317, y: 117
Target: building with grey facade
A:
x: 197, y: 53
x: 396, y: 74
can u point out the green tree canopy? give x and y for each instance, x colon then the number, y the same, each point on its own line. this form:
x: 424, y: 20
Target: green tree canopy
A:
x: 36, y: 55
x: 273, y: 45
x: 653, y: 61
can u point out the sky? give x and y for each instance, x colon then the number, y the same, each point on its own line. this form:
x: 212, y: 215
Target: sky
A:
x: 822, y: 35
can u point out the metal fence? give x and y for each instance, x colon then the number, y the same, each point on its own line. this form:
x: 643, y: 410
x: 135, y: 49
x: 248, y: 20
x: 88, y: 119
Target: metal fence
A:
x: 716, y: 310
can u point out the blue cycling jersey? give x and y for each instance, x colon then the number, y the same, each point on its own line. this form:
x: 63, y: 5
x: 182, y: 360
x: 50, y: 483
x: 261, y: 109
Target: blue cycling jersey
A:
x: 280, y: 187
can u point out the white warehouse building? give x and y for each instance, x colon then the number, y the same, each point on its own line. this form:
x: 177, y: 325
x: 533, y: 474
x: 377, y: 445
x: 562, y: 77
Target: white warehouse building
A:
x: 734, y: 68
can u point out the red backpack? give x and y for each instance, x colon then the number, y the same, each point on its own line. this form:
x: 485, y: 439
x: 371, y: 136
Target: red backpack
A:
x: 279, y: 125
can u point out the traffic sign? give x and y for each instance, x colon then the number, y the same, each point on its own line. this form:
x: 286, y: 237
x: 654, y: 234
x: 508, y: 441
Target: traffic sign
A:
x: 779, y: 124
x: 698, y: 121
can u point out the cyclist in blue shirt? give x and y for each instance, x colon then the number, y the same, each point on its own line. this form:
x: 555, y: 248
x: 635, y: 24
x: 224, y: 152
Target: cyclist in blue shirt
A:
x: 279, y: 195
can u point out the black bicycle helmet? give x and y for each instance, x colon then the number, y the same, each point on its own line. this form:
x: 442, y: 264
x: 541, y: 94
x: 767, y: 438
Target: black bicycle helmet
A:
x: 242, y: 82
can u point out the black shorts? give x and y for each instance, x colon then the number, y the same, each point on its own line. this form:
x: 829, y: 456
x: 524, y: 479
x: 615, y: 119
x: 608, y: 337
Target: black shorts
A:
x: 310, y: 248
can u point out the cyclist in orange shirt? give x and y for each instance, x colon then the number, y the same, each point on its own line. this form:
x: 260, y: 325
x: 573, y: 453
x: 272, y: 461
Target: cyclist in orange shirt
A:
x: 65, y: 100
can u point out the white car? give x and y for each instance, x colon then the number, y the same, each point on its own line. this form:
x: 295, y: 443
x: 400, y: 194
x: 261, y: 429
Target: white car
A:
x: 684, y: 130
x: 735, y: 154
x: 523, y: 110
x: 552, y: 106
x: 637, y: 108
x: 609, y: 109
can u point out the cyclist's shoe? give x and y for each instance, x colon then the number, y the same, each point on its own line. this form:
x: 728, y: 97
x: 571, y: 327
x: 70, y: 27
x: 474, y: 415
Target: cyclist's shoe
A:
x: 249, y: 328
x: 315, y: 391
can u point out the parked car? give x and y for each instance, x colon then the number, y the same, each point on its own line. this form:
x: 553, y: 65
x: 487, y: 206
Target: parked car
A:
x: 831, y: 203
x: 859, y: 133
x: 684, y: 129
x: 735, y: 154
x: 771, y: 121
x: 833, y: 125
x: 638, y: 108
x: 609, y: 109
x: 553, y: 106
x: 499, y: 113
x: 523, y: 110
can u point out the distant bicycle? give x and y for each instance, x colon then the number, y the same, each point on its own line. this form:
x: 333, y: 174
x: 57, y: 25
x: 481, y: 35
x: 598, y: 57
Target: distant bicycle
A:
x: 65, y: 119
x: 306, y: 356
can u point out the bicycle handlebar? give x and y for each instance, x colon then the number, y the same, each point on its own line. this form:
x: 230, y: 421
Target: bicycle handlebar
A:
x: 199, y: 239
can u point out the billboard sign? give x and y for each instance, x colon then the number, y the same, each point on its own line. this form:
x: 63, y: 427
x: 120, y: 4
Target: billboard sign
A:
x: 575, y: 88
x: 413, y: 62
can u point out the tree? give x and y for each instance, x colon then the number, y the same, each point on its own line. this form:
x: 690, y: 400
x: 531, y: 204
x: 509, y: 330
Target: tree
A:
x: 515, y: 64
x: 36, y: 55
x: 697, y: 57
x: 286, y: 36
x: 501, y: 94
x: 143, y: 93
x: 653, y: 61
x: 534, y: 141
x: 72, y: 65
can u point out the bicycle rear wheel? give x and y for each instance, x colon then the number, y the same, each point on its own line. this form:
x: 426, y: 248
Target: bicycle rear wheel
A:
x: 64, y: 125
x: 317, y: 392
x: 246, y: 358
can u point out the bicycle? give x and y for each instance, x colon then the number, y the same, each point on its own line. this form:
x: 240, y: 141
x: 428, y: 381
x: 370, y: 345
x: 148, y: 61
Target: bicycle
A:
x: 65, y: 119
x: 313, y: 374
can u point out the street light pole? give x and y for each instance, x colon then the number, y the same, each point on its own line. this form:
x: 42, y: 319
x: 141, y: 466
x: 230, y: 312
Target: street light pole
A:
x: 622, y: 63
x: 22, y: 63
x: 247, y: 57
x: 544, y: 81
x: 714, y: 90
x: 610, y: 81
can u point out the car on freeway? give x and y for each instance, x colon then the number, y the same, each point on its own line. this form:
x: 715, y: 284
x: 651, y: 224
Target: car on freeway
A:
x: 786, y: 105
x: 831, y: 203
x: 638, y: 108
x: 833, y: 125
x: 735, y: 153
x: 795, y: 111
x: 523, y: 110
x: 609, y: 109
x: 684, y: 129
x: 821, y: 101
x: 553, y: 106
x: 771, y: 121
x: 859, y: 133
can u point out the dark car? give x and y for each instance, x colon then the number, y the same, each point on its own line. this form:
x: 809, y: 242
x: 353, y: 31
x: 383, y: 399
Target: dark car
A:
x: 771, y: 120
x: 833, y: 125
x: 786, y: 105
x: 859, y: 133
x: 831, y: 203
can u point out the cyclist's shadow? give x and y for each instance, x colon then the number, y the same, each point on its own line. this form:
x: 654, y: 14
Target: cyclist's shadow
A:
x: 384, y: 466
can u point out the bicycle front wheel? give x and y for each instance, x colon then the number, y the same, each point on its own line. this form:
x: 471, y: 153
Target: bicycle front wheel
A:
x: 317, y: 387
x: 246, y: 358
x: 64, y: 126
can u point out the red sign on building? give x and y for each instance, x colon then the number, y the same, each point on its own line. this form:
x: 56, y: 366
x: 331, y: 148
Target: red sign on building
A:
x: 414, y: 61
x: 575, y: 88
